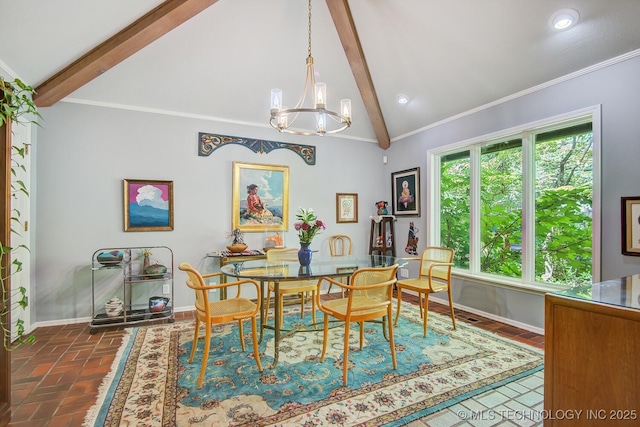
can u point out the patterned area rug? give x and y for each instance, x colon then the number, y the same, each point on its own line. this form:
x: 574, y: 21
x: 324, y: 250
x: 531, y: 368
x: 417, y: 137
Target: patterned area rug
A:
x: 152, y: 383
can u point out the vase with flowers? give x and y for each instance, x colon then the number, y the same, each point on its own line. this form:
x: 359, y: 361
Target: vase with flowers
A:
x: 307, y: 226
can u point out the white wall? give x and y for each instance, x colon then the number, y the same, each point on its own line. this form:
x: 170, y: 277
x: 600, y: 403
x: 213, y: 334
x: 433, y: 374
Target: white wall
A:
x: 616, y: 89
x: 84, y: 153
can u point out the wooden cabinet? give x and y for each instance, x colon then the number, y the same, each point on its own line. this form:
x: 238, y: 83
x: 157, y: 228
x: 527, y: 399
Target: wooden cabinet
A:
x: 382, y: 240
x: 592, y: 357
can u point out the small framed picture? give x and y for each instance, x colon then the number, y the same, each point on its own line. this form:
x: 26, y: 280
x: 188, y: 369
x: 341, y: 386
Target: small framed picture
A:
x: 148, y: 205
x: 346, y: 207
x: 631, y: 226
x: 405, y: 190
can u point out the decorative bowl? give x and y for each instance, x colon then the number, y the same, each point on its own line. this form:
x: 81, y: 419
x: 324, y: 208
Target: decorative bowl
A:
x: 237, y: 247
x: 109, y: 259
x: 114, y: 307
x: 157, y: 304
x: 155, y: 271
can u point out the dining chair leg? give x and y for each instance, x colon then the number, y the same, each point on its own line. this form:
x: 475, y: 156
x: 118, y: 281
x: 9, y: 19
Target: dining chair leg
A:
x: 256, y: 353
x: 384, y: 326
x: 453, y: 317
x: 361, y: 334
x: 195, y: 340
x: 398, y: 308
x: 426, y: 314
x: 313, y: 308
x: 303, y: 299
x: 205, y: 355
x: 345, y: 354
x: 241, y: 334
x: 325, y: 335
x: 391, y: 342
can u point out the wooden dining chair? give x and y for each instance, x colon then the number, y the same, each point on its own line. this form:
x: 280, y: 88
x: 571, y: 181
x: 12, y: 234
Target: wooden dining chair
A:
x: 434, y: 276
x: 288, y: 287
x: 216, y: 312
x: 369, y: 297
x: 339, y: 245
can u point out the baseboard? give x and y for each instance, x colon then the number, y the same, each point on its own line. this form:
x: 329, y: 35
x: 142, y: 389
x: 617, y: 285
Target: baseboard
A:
x: 77, y: 320
x: 500, y: 319
x: 511, y: 322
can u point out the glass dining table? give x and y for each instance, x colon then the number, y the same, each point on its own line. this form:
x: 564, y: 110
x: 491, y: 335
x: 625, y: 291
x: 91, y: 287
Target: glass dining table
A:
x: 276, y: 272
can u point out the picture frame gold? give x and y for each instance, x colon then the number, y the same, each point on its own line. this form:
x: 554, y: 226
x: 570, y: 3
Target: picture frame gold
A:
x: 630, y: 210
x: 346, y: 207
x: 270, y: 183
x: 148, y: 205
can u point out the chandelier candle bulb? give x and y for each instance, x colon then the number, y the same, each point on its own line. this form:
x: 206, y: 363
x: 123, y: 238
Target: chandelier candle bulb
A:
x: 321, y: 126
x: 321, y: 95
x: 276, y: 99
x: 283, y: 121
x: 345, y: 107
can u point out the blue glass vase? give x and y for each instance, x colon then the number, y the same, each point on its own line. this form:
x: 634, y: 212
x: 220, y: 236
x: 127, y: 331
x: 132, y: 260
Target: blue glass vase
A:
x: 304, y: 254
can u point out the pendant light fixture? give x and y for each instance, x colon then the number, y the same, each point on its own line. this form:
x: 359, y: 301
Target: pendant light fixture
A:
x: 325, y: 121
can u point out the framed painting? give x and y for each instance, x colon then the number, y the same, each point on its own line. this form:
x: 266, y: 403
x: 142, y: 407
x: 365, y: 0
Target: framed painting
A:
x: 148, y: 205
x: 405, y: 191
x: 631, y: 226
x: 346, y: 207
x: 260, y: 197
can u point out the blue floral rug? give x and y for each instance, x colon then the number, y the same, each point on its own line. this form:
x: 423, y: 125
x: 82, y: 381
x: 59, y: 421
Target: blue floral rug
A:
x: 153, y: 384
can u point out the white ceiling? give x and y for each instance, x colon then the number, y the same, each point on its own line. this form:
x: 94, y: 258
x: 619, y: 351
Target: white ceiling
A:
x: 449, y: 56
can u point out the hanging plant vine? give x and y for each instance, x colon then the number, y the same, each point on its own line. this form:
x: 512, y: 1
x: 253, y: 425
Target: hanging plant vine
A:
x: 17, y: 106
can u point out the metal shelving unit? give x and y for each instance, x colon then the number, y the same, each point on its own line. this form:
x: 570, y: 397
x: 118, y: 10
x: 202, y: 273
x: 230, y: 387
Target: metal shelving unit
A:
x: 127, y: 281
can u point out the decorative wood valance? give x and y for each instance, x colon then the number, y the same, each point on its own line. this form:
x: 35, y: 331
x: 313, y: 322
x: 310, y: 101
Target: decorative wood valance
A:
x: 209, y: 142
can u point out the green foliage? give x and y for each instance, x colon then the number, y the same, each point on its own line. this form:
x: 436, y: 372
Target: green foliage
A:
x: 455, y: 209
x: 563, y: 199
x: 16, y: 102
x: 16, y: 105
x: 11, y: 299
x: 501, y: 212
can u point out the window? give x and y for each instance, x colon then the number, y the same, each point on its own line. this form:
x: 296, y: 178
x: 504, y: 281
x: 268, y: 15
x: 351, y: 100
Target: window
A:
x: 519, y: 207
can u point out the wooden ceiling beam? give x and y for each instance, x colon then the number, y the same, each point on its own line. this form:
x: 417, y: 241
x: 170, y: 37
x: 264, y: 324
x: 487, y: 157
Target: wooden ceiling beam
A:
x: 154, y: 24
x: 343, y: 20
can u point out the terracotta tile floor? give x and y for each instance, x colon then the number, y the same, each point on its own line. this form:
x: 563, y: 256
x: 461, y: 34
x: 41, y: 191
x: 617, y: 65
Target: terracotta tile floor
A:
x: 56, y: 379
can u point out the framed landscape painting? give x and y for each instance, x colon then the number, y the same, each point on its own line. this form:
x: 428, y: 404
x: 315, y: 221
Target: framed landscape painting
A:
x: 260, y: 197
x: 405, y: 191
x: 148, y: 205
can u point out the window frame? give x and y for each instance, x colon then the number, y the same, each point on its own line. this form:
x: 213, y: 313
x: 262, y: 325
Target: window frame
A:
x: 474, y: 145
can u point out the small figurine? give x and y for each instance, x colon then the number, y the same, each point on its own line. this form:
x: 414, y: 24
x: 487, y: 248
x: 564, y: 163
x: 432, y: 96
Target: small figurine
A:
x: 238, y: 237
x: 412, y: 241
x: 382, y: 207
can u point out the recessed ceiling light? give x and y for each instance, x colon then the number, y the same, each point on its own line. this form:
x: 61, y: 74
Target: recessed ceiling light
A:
x: 403, y: 99
x: 564, y: 19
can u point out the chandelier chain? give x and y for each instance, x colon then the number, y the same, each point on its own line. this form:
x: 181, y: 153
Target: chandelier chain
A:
x: 309, y: 51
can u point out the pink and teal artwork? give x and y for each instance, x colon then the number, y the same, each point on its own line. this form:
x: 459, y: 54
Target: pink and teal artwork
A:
x: 148, y: 205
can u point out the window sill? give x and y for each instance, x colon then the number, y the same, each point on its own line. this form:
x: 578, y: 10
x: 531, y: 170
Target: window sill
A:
x: 486, y: 279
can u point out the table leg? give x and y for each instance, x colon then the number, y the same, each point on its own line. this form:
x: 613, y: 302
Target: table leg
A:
x: 263, y: 314
x: 276, y: 342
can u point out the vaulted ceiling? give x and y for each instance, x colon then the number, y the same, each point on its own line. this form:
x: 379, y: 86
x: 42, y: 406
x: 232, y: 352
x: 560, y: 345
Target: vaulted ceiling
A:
x: 218, y: 59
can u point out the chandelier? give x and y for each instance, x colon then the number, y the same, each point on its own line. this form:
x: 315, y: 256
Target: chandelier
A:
x: 325, y: 121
